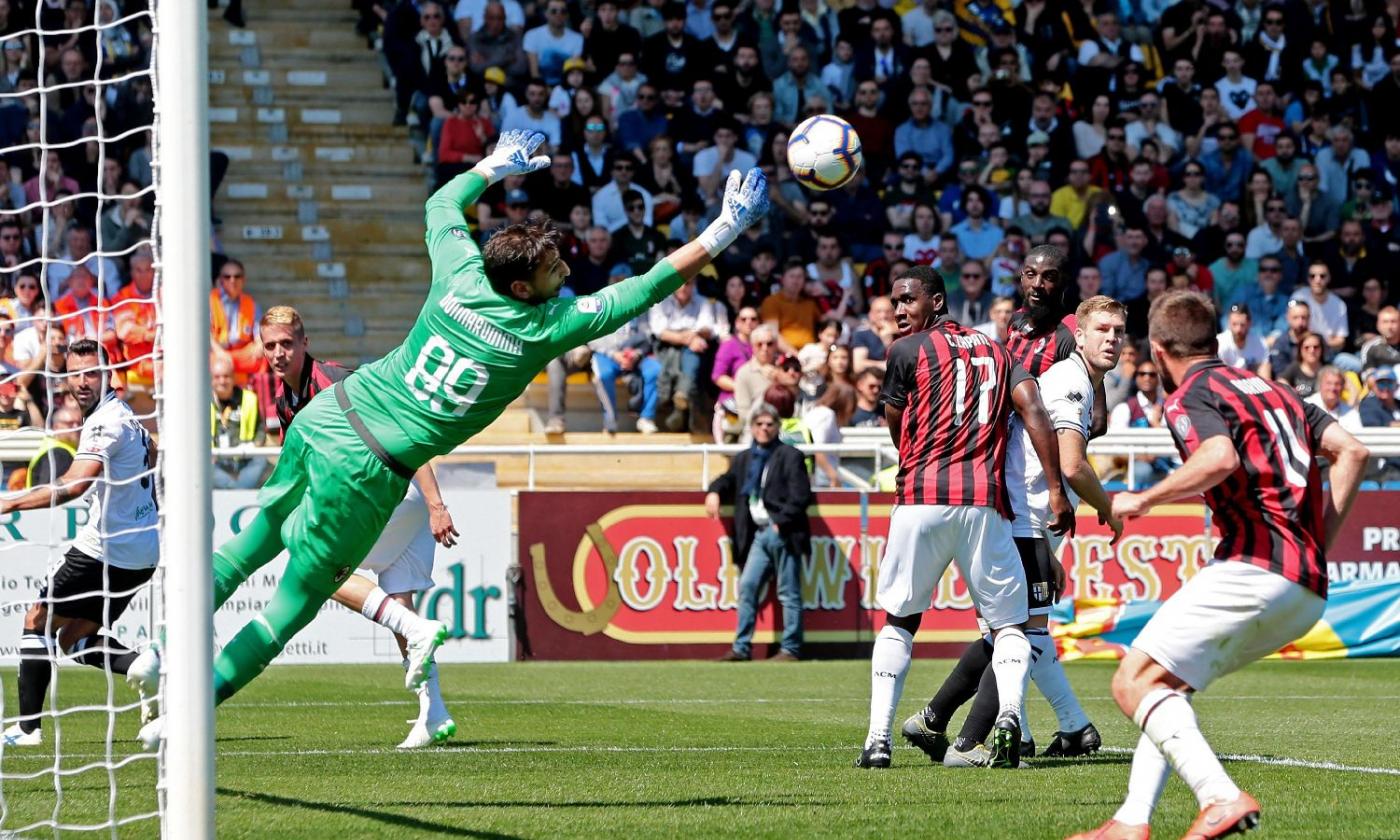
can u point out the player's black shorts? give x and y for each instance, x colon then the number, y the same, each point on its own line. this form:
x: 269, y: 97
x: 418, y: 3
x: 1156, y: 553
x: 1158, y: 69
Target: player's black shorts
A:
x: 1040, y: 574
x: 84, y: 580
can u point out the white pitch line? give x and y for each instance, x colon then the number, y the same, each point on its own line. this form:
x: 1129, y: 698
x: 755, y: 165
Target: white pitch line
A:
x: 718, y: 701
x: 1286, y: 762
x: 486, y: 751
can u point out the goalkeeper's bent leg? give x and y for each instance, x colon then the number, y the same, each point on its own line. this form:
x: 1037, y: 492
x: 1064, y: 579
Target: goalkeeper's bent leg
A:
x: 244, y: 553
x: 297, y: 600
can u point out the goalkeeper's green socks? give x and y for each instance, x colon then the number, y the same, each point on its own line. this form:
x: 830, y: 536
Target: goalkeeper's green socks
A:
x: 244, y: 553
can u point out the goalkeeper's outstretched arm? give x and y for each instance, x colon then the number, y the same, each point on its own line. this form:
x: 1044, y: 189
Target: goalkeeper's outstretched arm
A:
x: 445, y: 211
x: 580, y: 320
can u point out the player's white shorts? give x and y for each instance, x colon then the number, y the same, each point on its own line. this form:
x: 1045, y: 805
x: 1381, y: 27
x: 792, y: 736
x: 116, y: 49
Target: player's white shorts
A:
x: 925, y: 538
x: 1230, y: 614
x: 402, y: 558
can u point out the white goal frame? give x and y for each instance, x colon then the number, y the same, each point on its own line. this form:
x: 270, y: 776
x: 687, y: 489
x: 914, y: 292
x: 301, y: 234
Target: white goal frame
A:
x: 181, y: 83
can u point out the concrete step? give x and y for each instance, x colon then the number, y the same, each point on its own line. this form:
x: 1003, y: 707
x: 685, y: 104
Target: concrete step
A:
x: 341, y: 118
x: 380, y: 158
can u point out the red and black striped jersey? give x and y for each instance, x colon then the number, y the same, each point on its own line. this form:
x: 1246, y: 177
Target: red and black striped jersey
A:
x: 1037, y: 348
x: 315, y: 377
x: 1270, y: 509
x: 954, y: 385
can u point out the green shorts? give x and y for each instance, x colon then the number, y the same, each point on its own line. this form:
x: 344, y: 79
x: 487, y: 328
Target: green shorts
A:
x: 330, y: 496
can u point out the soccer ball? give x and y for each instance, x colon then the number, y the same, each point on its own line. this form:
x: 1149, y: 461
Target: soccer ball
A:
x: 824, y: 152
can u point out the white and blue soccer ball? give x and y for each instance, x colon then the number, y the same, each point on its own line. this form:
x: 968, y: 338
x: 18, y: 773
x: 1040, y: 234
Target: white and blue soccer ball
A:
x: 824, y: 152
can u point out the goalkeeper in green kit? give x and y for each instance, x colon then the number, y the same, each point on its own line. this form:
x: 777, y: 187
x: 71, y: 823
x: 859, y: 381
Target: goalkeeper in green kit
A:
x: 491, y: 322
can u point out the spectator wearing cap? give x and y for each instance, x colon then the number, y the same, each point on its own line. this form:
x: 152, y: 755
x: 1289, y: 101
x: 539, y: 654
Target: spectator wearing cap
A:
x: 535, y: 115
x: 925, y: 136
x: 638, y: 126
x: 672, y: 57
x: 496, y: 101
x: 768, y: 487
x: 1125, y: 270
x: 1380, y: 409
x: 561, y: 97
x: 1240, y: 346
x: 547, y: 47
x: 608, y: 209
x: 1331, y: 382
x: 685, y: 329
x: 795, y: 89
x: 636, y: 243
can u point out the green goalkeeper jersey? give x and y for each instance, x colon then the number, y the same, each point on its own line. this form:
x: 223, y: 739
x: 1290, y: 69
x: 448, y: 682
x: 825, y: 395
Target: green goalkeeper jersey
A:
x: 473, y: 351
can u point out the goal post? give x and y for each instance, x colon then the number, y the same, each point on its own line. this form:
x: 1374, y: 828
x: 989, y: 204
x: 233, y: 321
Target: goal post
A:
x: 181, y: 169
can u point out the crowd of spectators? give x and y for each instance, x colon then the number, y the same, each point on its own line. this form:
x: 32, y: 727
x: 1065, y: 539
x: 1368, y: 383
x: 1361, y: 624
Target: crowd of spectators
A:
x: 75, y: 210
x: 1249, y: 150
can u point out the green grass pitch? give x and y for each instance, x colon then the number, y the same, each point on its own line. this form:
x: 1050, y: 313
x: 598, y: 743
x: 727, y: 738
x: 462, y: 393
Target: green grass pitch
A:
x: 624, y: 750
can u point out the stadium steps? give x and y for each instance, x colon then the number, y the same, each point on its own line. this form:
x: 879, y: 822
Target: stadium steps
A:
x: 322, y: 201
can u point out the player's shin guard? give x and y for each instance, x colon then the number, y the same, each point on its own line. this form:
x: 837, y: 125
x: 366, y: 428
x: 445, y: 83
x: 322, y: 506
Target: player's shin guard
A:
x: 249, y: 550
x: 1145, y: 783
x: 1166, y: 717
x: 1049, y: 676
x: 35, y: 670
x: 961, y: 683
x: 104, y: 652
x: 889, y: 664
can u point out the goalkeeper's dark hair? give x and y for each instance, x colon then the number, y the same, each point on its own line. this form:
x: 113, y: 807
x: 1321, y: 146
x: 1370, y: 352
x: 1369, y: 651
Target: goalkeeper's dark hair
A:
x: 516, y: 253
x: 931, y: 280
x: 88, y: 347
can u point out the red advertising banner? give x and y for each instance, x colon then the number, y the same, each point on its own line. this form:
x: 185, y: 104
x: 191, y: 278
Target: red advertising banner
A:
x: 648, y: 576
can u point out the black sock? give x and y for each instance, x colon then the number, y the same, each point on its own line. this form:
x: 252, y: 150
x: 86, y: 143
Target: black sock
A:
x: 961, y: 684
x: 104, y: 652
x: 984, y: 710
x: 35, y: 671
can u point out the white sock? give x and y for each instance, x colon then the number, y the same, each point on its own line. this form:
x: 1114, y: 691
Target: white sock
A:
x: 1011, y: 665
x: 889, y: 663
x: 1025, y: 722
x: 1145, y: 783
x: 388, y: 613
x: 1166, y: 717
x: 430, y: 705
x: 1049, y: 676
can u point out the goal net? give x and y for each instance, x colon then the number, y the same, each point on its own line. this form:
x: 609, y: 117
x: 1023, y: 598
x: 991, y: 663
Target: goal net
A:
x: 104, y: 238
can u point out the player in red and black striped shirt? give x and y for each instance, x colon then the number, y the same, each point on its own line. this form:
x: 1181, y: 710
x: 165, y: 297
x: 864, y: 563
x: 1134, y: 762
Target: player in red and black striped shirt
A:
x: 1249, y: 446
x: 948, y: 393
